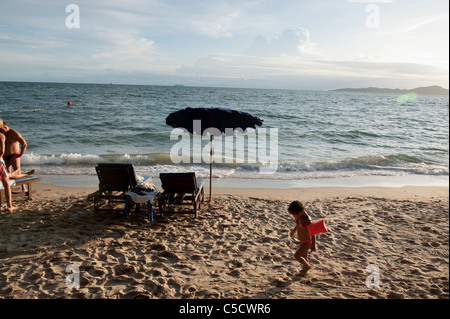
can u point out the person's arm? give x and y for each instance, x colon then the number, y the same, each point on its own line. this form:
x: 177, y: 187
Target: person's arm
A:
x: 293, y: 232
x: 308, y: 221
x: 23, y: 144
x: 2, y: 145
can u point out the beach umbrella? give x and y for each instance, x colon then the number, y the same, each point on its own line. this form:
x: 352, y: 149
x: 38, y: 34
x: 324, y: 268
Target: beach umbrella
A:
x: 218, y: 118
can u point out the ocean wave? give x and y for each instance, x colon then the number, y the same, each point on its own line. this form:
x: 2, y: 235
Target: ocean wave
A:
x: 161, y: 162
x: 353, y: 134
x: 90, y: 159
x: 61, y: 159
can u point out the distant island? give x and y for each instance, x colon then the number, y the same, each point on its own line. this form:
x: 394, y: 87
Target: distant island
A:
x: 428, y: 90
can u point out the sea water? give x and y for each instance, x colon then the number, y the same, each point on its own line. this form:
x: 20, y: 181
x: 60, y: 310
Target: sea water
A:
x: 322, y: 136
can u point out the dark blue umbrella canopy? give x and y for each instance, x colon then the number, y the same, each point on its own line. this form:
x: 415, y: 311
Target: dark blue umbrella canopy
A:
x: 219, y: 118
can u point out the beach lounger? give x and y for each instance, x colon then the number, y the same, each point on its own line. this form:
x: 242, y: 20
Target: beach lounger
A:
x: 17, y: 190
x: 181, y: 189
x: 115, y: 180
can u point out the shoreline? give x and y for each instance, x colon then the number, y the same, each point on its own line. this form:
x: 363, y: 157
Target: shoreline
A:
x: 390, y: 187
x: 77, y: 181
x: 51, y: 191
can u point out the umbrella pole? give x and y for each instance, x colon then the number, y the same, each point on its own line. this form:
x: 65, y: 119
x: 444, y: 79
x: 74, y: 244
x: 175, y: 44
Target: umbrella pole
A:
x: 210, y: 159
x: 210, y: 170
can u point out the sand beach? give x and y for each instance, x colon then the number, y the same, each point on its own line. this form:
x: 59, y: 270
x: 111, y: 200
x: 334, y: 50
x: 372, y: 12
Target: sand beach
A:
x: 382, y: 243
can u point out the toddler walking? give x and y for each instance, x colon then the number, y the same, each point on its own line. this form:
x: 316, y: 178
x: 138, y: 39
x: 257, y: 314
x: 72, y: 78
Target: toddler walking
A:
x: 307, y: 242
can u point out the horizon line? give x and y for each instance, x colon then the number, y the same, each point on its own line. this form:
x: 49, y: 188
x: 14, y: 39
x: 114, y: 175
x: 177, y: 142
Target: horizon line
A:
x: 224, y: 87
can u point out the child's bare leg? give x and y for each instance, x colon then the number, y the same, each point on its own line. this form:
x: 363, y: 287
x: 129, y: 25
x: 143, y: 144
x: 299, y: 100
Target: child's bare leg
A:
x: 306, y: 267
x: 301, y: 255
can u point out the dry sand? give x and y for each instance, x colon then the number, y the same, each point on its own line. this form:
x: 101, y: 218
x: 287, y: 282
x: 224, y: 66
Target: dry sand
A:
x: 404, y: 232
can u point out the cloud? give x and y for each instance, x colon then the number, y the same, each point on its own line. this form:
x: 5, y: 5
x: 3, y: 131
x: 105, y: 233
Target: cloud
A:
x: 124, y: 51
x: 291, y: 42
x: 292, y: 60
x: 291, y: 52
x: 217, y: 27
x: 421, y: 24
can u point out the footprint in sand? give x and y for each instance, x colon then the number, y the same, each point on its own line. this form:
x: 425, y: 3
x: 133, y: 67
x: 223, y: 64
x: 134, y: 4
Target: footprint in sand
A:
x: 169, y: 255
x: 235, y: 273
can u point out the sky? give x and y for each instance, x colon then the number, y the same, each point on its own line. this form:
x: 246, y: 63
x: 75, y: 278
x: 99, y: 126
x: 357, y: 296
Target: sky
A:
x: 282, y: 44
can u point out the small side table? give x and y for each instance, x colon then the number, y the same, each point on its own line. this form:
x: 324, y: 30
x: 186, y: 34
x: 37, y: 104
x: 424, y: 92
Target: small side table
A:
x: 138, y: 200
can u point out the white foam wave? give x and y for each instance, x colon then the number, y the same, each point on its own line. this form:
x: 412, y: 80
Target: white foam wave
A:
x: 62, y: 159
x: 153, y: 164
x: 86, y: 159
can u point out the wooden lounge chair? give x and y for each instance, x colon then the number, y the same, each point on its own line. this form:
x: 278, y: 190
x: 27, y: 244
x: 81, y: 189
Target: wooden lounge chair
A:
x: 181, y: 189
x: 115, y: 180
x: 17, y: 189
